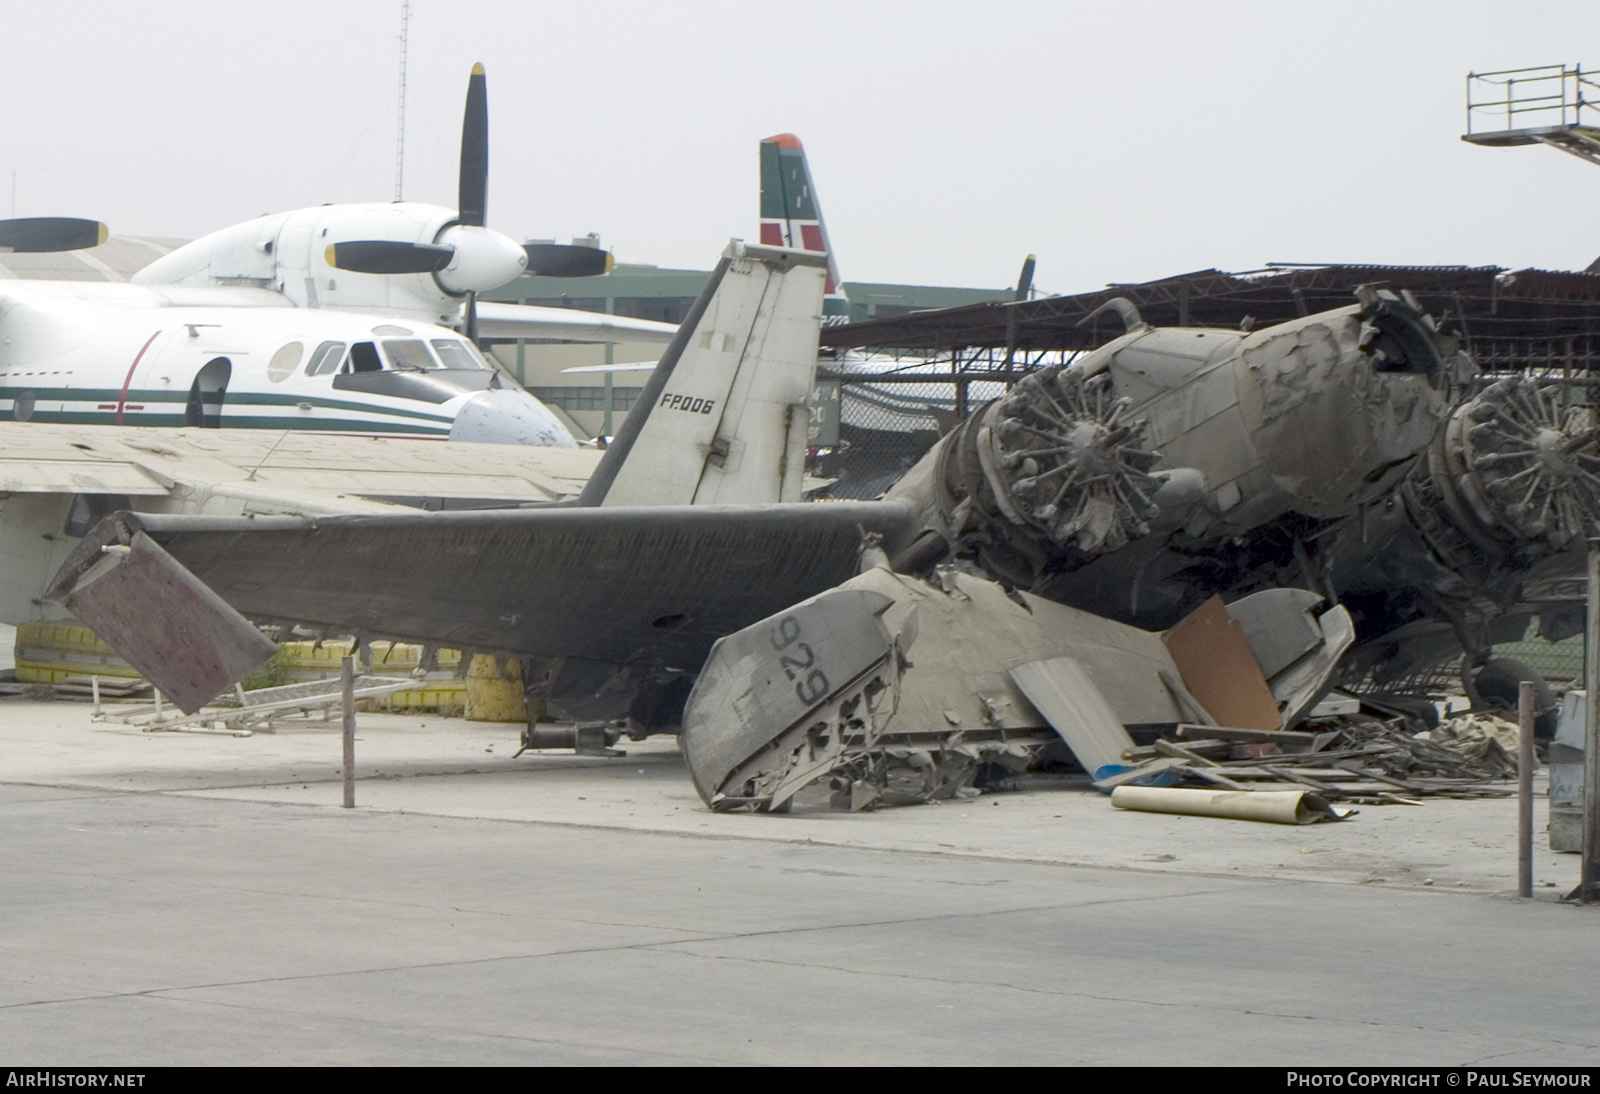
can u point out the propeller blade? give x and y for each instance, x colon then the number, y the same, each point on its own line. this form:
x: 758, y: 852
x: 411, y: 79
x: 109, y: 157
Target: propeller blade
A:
x: 30, y: 234
x: 565, y: 260
x: 470, y: 317
x: 1025, y: 280
x: 388, y: 256
x: 473, y: 195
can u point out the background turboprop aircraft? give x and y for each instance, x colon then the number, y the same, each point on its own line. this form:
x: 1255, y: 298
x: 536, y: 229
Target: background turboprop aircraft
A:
x: 331, y: 318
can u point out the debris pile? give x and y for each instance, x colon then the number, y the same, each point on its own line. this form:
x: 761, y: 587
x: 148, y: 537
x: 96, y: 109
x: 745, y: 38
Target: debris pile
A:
x: 1351, y: 758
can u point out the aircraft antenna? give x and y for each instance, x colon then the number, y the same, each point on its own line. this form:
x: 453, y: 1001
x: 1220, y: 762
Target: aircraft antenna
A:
x: 400, y: 133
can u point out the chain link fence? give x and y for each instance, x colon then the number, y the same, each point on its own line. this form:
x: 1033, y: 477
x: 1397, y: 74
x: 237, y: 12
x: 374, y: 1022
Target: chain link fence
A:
x: 868, y: 433
x: 1561, y: 663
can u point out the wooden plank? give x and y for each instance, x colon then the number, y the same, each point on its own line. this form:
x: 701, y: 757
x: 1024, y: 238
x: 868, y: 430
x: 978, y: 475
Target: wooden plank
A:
x: 1210, y: 775
x: 1290, y: 740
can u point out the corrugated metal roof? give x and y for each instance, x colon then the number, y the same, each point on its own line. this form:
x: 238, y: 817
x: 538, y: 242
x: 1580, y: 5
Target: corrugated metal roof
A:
x: 1481, y: 302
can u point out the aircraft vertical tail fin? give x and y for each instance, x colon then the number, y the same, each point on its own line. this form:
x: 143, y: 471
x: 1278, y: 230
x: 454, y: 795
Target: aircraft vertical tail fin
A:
x: 791, y: 216
x: 723, y: 417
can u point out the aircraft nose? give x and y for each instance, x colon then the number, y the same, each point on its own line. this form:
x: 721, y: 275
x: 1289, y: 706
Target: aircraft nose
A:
x: 504, y: 416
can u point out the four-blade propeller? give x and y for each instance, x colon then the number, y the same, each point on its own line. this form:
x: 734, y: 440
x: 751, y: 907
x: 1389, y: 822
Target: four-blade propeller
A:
x: 469, y: 257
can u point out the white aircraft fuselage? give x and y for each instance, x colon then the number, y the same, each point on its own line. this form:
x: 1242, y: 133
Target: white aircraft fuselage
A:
x: 245, y: 356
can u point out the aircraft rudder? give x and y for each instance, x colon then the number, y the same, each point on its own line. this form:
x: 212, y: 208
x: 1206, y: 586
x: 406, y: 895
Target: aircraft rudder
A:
x: 716, y: 420
x: 792, y: 217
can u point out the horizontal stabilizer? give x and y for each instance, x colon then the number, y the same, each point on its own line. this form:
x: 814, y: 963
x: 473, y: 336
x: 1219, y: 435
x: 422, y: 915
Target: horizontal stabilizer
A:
x: 567, y: 324
x: 768, y: 693
x: 645, y: 585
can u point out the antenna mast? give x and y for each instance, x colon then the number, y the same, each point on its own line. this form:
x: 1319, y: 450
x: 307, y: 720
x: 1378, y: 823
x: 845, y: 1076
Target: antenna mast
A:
x: 400, y: 134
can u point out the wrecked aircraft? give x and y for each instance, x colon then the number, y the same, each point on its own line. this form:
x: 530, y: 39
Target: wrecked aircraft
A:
x: 888, y: 675
x: 1343, y: 452
x: 1336, y: 454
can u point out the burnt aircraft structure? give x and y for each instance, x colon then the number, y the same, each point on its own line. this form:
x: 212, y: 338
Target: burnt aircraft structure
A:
x: 1349, y: 452
x: 1501, y: 498
x: 1327, y: 453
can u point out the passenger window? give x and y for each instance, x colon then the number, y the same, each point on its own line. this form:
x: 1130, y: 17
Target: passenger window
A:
x: 456, y: 354
x: 408, y: 354
x: 325, y: 359
x: 284, y: 362
x: 364, y: 358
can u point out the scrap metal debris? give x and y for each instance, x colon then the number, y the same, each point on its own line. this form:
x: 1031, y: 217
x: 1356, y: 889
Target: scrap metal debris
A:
x: 897, y: 690
x: 1354, y: 758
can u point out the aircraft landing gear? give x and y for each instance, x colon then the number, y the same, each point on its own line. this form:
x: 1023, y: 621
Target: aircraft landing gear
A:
x: 1497, y: 684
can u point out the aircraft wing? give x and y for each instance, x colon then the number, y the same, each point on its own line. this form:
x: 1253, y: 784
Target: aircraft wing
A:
x: 567, y: 324
x: 323, y: 473
x: 57, y: 480
x: 626, y: 585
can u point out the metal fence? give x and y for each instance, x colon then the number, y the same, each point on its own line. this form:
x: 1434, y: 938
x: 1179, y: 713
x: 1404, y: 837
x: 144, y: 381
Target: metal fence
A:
x: 1561, y: 663
x: 889, y: 413
x: 1528, y: 98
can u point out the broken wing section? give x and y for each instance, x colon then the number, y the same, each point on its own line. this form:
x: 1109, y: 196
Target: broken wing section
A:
x: 903, y: 671
x: 818, y: 671
x: 722, y: 420
x: 180, y: 635
x: 888, y: 676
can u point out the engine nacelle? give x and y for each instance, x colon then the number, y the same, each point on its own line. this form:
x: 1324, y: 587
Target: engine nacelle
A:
x: 287, y: 253
x: 1214, y: 433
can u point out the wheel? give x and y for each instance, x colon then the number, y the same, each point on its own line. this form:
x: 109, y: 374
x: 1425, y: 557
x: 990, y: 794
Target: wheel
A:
x: 1498, y: 684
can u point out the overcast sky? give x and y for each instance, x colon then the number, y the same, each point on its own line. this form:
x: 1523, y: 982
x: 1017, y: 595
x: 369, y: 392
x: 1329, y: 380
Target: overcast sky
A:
x: 1119, y: 141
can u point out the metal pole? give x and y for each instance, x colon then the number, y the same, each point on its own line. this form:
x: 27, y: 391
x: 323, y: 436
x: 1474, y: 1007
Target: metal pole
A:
x: 1588, y: 890
x: 400, y: 120
x: 1525, y: 790
x: 347, y: 680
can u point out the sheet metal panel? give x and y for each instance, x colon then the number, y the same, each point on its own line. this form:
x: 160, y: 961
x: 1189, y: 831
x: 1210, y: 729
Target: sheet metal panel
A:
x: 1065, y: 695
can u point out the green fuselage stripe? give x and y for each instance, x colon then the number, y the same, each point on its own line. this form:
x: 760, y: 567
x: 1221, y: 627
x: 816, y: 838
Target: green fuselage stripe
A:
x: 237, y: 421
x: 230, y: 399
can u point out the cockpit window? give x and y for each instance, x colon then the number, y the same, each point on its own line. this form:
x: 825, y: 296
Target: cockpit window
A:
x: 364, y: 358
x: 457, y: 354
x: 408, y: 353
x: 325, y: 359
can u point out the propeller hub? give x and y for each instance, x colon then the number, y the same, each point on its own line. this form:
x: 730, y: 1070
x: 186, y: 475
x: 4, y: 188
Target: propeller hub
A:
x: 484, y: 259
